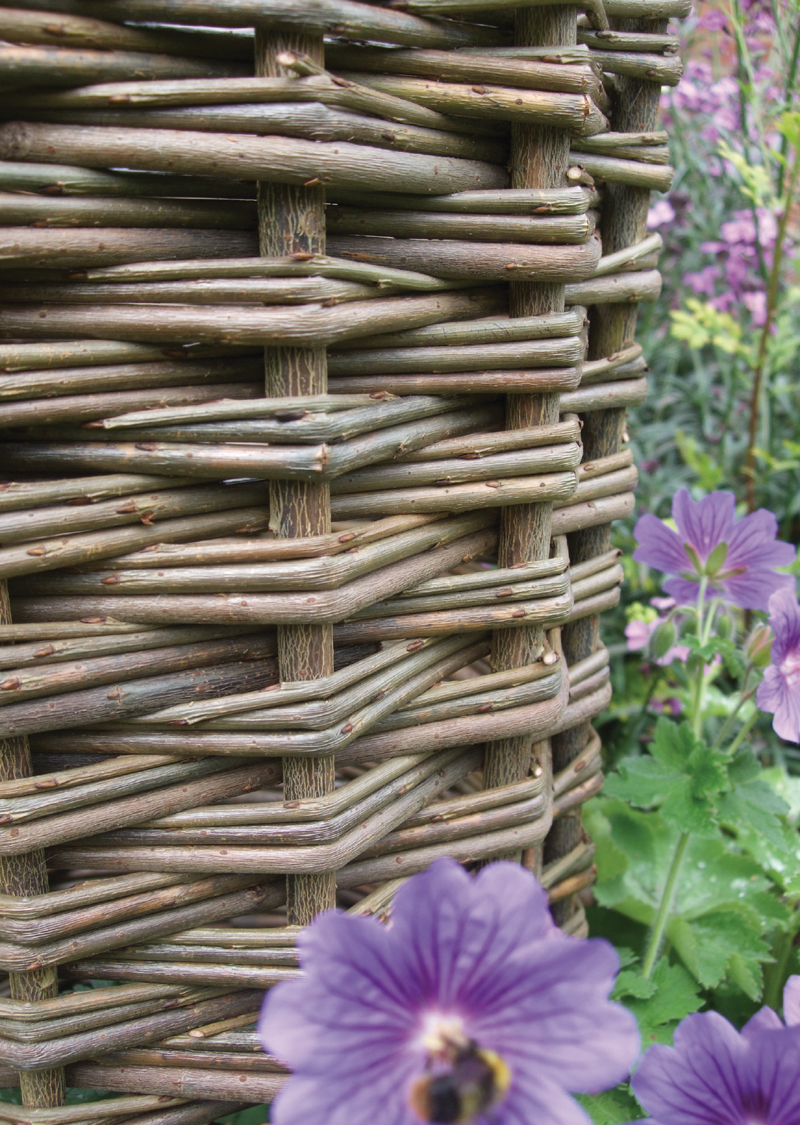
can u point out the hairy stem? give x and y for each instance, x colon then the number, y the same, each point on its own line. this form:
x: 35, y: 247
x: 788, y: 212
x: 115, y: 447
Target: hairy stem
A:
x: 664, y: 907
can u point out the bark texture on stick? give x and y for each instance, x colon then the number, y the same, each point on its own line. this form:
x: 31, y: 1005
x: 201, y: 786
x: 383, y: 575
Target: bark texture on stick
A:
x: 23, y: 876
x: 612, y: 328
x: 292, y: 220
x: 539, y: 159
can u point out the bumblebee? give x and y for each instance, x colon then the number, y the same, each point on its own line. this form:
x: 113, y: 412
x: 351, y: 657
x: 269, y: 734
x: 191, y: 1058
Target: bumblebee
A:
x: 458, y: 1088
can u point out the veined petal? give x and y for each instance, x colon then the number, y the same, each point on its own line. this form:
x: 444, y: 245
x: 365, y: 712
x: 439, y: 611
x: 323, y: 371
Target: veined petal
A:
x: 784, y: 620
x: 706, y: 523
x: 698, y: 1081
x: 659, y: 546
x: 754, y: 588
x: 772, y: 1077
x: 537, y: 1100
x: 791, y: 1001
x: 752, y: 542
x: 683, y: 591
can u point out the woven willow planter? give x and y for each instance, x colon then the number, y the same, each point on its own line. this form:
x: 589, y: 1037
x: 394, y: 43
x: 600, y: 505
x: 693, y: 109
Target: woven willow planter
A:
x: 313, y: 380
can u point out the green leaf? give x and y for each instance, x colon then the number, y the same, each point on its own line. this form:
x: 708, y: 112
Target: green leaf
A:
x: 707, y: 944
x: 632, y: 983
x: 612, y: 1107
x: 672, y: 744
x: 644, y: 782
x: 752, y: 803
x: 674, y: 996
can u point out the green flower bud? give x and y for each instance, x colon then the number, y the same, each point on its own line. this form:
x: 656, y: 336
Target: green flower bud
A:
x: 758, y: 645
x: 663, y: 639
x: 725, y: 627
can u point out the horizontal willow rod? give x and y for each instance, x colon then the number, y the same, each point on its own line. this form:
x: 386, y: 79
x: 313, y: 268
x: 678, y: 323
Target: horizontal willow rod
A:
x: 473, y: 68
x: 294, y: 265
x: 299, y: 326
x: 321, y: 88
x: 118, y: 378
x: 216, y: 291
x: 272, y: 159
x: 622, y: 288
x: 540, y: 459
x: 70, y: 66
x: 20, y: 26
x: 454, y: 764
x: 270, y: 462
x: 512, y: 201
x: 465, y: 8
x: 321, y: 606
x: 312, y: 121
x: 481, y: 331
x: 328, y: 573
x: 629, y: 40
x: 479, y: 445
x: 21, y: 210
x: 36, y: 654
x: 267, y: 550
x: 456, y: 497
x: 602, y: 396
x: 593, y: 513
x: 646, y: 154
x: 575, y: 112
x: 82, y: 247
x: 58, y: 179
x: 147, y: 507
x: 484, y: 356
x: 533, y: 380
x: 630, y: 256
x: 483, y: 228
x: 344, y: 18
x: 90, y: 353
x: 88, y: 408
x: 40, y: 494
x: 474, y: 261
x: 633, y: 172
x: 53, y: 679
x: 71, y: 550
x: 226, y: 665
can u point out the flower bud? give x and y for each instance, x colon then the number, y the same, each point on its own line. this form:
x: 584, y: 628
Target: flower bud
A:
x: 725, y: 627
x: 758, y: 645
x: 663, y: 639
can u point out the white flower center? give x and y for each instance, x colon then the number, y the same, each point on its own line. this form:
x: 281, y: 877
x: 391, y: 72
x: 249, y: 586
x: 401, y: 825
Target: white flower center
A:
x: 790, y: 669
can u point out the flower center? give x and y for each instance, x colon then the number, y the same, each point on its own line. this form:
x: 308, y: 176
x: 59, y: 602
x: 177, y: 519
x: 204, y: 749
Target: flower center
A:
x: 790, y: 668
x: 461, y: 1080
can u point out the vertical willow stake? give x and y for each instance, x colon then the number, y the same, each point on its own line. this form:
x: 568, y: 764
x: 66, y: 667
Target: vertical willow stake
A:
x: 612, y: 327
x: 539, y: 159
x: 21, y: 876
x: 292, y: 220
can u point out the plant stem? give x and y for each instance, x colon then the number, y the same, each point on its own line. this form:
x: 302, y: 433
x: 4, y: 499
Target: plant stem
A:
x: 775, y: 975
x: 791, y: 81
x: 734, y: 746
x: 700, y: 684
x: 744, y: 695
x: 758, y: 372
x: 664, y: 907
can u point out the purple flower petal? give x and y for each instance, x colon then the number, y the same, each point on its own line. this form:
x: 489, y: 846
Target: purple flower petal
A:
x: 697, y: 1080
x: 659, y: 546
x: 765, y: 1019
x: 480, y: 954
x: 791, y: 1001
x: 706, y: 523
x: 683, y: 591
x: 784, y: 619
x: 771, y: 1077
x: 752, y: 542
x: 754, y: 588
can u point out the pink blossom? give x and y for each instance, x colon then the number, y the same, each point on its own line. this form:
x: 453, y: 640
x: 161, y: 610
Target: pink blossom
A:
x: 660, y: 213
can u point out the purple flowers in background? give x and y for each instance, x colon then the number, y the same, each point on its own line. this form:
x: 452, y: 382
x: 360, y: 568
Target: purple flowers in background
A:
x: 779, y: 691
x: 471, y: 1006
x: 737, y: 556
x: 715, y: 1075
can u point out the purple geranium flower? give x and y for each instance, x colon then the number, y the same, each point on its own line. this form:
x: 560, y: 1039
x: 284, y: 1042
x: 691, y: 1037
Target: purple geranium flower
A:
x: 715, y: 1075
x: 738, y: 556
x: 779, y: 691
x: 471, y: 1006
